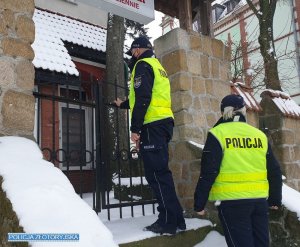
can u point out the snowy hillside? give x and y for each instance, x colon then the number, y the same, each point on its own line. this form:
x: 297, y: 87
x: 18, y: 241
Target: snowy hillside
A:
x: 44, y: 199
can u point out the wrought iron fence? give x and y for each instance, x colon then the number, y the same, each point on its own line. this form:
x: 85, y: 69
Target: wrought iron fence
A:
x: 88, y: 138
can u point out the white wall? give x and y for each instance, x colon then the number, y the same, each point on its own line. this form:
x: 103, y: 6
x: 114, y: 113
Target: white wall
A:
x: 79, y: 11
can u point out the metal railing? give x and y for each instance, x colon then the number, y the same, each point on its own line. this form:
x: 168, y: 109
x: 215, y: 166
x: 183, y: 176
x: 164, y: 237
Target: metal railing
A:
x: 88, y: 138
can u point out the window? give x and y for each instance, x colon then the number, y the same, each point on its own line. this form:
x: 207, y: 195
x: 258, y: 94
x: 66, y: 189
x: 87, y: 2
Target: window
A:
x: 73, y: 134
x: 75, y: 131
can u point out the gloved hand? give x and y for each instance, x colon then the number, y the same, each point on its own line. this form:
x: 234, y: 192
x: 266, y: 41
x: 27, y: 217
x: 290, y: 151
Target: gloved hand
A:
x: 118, y: 102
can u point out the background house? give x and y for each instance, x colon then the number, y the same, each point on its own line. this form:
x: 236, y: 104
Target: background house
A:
x: 237, y: 26
x: 69, y: 64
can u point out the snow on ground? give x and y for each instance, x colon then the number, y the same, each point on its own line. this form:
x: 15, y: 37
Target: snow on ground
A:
x: 213, y: 239
x: 129, y: 229
x: 44, y: 199
x: 291, y: 199
x: 46, y: 202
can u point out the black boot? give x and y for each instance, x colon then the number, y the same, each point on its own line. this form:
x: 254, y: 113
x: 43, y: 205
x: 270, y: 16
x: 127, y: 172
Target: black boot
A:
x: 181, y: 226
x: 157, y: 228
x: 152, y: 227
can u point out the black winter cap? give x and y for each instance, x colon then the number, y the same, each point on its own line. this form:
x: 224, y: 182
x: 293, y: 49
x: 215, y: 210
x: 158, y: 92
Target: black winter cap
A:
x: 140, y: 42
x: 236, y: 101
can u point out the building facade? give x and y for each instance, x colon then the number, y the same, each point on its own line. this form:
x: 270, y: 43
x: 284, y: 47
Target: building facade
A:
x: 237, y: 26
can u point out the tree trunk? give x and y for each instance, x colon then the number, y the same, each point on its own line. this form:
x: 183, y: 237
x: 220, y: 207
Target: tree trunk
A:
x: 114, y: 52
x: 265, y: 16
x: 115, y: 126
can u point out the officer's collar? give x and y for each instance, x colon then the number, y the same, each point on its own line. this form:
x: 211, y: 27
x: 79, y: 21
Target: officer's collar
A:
x: 146, y: 54
x: 240, y: 119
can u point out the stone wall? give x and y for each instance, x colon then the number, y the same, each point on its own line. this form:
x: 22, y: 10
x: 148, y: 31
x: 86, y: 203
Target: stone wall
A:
x: 289, y: 144
x: 284, y: 228
x: 284, y: 136
x: 16, y: 68
x: 198, y: 68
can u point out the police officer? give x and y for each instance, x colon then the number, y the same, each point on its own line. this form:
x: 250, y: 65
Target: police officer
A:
x: 152, y: 129
x: 240, y: 172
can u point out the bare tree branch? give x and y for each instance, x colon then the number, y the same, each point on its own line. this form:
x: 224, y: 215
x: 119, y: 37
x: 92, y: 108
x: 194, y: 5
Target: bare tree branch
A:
x: 252, y: 7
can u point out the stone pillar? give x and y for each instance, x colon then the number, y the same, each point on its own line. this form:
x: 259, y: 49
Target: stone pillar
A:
x: 16, y: 68
x: 253, y: 118
x: 198, y: 68
x: 284, y: 136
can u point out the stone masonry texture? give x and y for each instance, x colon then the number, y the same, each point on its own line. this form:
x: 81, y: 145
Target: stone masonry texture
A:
x: 284, y: 135
x: 17, y: 33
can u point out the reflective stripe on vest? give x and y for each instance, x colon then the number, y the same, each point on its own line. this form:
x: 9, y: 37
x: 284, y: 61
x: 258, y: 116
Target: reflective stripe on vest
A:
x: 160, y: 104
x: 243, y: 172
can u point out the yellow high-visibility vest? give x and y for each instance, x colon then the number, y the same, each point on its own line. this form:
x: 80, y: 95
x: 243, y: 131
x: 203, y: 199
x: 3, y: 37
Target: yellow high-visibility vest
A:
x: 160, y: 104
x: 243, y: 171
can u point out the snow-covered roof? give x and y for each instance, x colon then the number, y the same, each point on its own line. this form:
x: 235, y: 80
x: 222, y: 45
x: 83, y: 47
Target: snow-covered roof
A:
x: 52, y: 29
x: 246, y: 93
x: 283, y: 101
x: 227, y: 13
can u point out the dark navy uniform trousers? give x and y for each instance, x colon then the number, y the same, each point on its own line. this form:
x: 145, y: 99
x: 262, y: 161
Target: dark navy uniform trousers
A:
x: 245, y: 222
x: 154, y: 141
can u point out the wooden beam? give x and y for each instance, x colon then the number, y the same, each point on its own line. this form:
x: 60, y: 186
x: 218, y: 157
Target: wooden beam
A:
x: 205, y: 17
x: 185, y: 14
x: 169, y: 8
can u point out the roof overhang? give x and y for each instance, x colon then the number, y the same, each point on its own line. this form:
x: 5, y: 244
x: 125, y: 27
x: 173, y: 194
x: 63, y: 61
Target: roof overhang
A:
x: 187, y: 11
x: 171, y: 7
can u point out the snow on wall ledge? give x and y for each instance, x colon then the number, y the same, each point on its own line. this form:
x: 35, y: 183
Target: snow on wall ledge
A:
x: 283, y: 101
x: 44, y: 199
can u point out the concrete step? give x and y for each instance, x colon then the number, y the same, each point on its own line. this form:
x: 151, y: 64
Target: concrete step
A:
x: 188, y: 238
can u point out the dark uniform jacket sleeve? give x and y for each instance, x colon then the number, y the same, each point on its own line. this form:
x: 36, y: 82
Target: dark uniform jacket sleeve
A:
x: 210, y: 168
x: 274, y: 179
x: 143, y: 84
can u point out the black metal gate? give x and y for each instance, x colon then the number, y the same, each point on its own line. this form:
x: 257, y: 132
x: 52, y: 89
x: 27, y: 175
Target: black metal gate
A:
x: 122, y: 170
x: 82, y: 133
